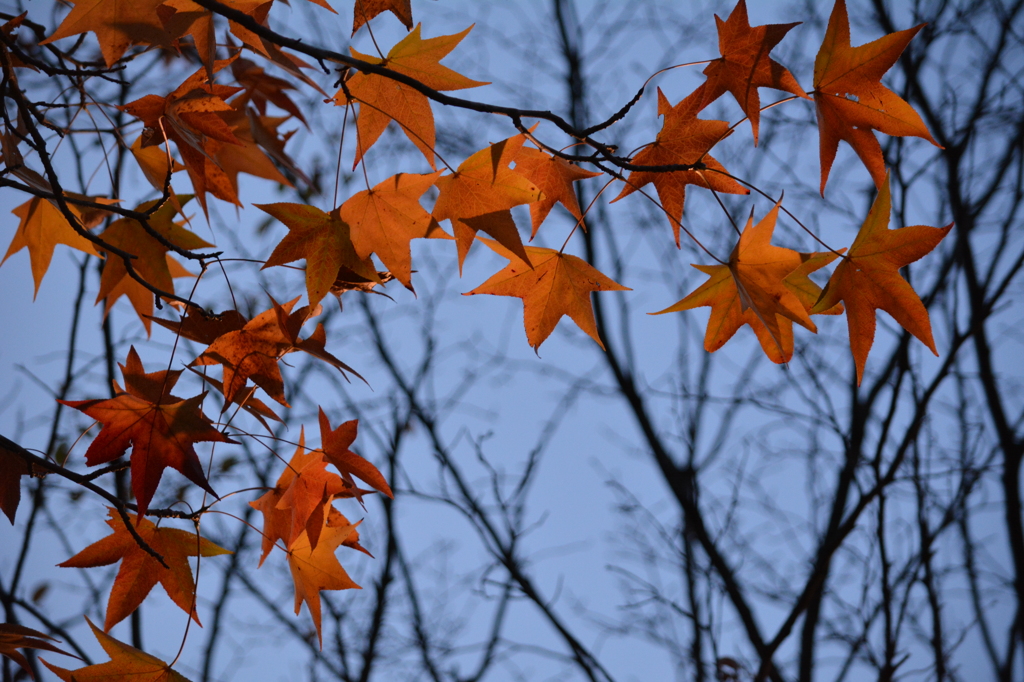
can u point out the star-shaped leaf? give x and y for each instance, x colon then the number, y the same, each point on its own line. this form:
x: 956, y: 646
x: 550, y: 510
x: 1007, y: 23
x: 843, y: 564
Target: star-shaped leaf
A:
x: 850, y: 99
x: 762, y: 285
x: 684, y: 139
x: 14, y: 637
x: 335, y: 444
x: 140, y: 571
x: 383, y: 100
x: 745, y: 65
x: 318, y: 569
x: 868, y: 279
x: 558, y: 284
x: 160, y: 428
x: 323, y: 239
x: 43, y: 226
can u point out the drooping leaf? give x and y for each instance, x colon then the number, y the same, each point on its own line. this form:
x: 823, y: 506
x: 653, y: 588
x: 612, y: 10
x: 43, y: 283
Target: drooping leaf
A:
x: 382, y: 100
x: 160, y: 428
x: 745, y: 65
x: 851, y: 101
x: 126, y: 663
x: 868, y: 279
x: 140, y: 571
x: 684, y: 139
x: 762, y: 285
x: 12, y: 468
x: 558, y: 284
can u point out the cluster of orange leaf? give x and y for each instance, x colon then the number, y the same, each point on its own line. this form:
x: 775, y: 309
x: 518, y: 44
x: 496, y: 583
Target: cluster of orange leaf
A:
x: 220, y: 130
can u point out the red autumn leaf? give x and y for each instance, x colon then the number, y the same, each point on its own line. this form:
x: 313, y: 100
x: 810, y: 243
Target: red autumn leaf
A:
x: 850, y: 99
x: 160, y: 428
x: 554, y: 177
x: 335, y: 444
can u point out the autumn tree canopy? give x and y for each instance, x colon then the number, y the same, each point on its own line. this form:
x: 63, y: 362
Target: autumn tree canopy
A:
x: 179, y: 103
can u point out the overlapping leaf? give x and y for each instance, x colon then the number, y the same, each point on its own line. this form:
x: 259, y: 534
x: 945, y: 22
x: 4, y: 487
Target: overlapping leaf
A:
x: 763, y: 285
x: 14, y: 637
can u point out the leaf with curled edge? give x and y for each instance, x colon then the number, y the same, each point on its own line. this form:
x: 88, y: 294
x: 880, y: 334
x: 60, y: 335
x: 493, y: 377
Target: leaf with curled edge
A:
x: 160, y: 428
x: 323, y: 239
x: 851, y: 101
x: 140, y: 571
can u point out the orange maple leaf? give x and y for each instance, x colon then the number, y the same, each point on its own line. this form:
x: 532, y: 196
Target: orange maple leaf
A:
x: 323, y: 239
x: 117, y: 25
x: 318, y: 569
x: 154, y: 163
x: 140, y: 571
x: 554, y: 178
x: 368, y: 9
x: 126, y: 663
x: 160, y: 427
x: 43, y: 226
x: 851, y: 101
x: 745, y: 65
x: 253, y: 351
x: 383, y: 100
x: 153, y: 262
x: 762, y: 285
x: 383, y: 220
x: 335, y: 444
x: 558, y: 284
x: 477, y: 197
x: 14, y: 637
x: 684, y: 139
x: 868, y: 279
